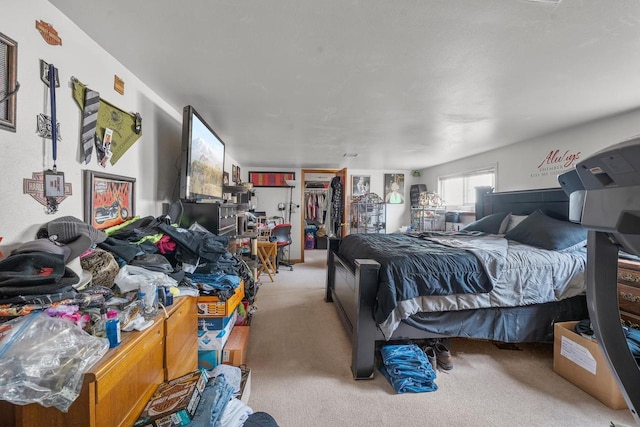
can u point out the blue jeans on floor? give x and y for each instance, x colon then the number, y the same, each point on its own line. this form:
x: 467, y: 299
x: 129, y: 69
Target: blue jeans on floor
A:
x: 407, y: 368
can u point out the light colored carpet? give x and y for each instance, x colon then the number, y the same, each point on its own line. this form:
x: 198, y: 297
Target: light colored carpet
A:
x: 299, y: 355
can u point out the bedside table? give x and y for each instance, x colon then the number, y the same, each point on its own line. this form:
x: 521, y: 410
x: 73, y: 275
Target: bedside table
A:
x: 629, y: 292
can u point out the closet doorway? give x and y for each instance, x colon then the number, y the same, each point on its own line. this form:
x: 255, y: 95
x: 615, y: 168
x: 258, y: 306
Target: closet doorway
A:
x: 316, y: 176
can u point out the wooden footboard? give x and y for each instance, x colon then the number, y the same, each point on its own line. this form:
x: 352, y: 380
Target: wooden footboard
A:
x: 353, y: 293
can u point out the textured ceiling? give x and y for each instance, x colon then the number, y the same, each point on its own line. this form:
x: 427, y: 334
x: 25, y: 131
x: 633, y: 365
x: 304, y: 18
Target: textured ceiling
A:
x: 405, y: 84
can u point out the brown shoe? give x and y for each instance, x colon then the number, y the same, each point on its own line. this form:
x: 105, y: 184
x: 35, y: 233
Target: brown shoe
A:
x: 431, y: 355
x: 443, y: 355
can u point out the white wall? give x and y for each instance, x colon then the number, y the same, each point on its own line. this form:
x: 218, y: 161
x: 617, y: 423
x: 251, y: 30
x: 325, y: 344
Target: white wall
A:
x: 153, y: 160
x: 525, y: 166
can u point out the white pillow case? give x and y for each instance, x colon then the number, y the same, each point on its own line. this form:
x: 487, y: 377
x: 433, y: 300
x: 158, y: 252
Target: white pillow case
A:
x: 514, y: 221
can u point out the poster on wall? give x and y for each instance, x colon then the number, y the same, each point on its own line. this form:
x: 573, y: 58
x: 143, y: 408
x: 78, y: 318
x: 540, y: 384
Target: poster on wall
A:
x: 360, y: 185
x: 394, y: 188
x: 271, y: 179
x: 108, y: 199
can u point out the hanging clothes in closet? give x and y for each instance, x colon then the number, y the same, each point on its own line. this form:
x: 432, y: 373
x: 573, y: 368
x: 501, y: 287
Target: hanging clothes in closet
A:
x: 333, y: 207
x: 314, y: 201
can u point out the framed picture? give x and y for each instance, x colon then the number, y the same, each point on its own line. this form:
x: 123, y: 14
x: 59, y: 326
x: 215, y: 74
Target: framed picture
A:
x: 271, y: 179
x: 360, y: 185
x: 8, y: 83
x: 234, y: 173
x: 108, y: 199
x: 238, y: 179
x: 394, y: 188
x: 225, y: 178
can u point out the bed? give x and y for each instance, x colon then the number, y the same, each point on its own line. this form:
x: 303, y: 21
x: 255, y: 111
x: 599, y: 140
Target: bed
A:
x: 466, y: 284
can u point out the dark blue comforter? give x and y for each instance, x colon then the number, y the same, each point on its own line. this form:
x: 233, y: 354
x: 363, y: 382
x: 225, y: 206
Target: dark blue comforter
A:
x: 411, y: 266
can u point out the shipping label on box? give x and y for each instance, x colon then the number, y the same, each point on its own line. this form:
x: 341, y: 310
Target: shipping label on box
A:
x: 578, y: 354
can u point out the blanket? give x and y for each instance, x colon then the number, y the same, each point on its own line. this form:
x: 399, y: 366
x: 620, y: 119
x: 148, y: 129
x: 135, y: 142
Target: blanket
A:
x: 427, y: 265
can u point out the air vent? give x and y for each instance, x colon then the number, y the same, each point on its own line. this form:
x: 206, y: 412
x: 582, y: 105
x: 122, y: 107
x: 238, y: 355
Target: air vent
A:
x: 350, y: 155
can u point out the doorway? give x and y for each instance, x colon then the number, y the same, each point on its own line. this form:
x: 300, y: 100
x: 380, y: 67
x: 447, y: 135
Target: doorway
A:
x: 312, y: 174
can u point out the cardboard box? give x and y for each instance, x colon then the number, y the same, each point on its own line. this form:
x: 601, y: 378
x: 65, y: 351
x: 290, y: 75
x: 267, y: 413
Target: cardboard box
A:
x: 209, y: 359
x: 235, y: 350
x: 245, y: 385
x: 581, y: 361
x: 174, y: 402
x: 211, y: 306
x: 216, y: 323
x: 216, y: 340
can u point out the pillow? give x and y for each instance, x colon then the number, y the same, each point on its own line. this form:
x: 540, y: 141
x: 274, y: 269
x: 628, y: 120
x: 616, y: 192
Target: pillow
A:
x: 514, y: 221
x: 491, y: 224
x: 544, y: 232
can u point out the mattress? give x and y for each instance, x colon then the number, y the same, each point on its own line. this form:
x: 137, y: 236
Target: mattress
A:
x: 502, y: 273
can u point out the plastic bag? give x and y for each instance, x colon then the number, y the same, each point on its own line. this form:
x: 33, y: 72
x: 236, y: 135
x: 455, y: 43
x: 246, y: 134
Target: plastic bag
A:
x: 43, y: 360
x: 130, y: 277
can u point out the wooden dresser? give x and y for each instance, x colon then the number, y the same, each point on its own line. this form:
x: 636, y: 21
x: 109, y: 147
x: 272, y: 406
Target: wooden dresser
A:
x: 629, y: 292
x: 117, y: 388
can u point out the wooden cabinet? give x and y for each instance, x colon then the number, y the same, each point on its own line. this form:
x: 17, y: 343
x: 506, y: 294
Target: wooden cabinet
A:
x: 629, y: 292
x: 116, y: 389
x: 181, y: 342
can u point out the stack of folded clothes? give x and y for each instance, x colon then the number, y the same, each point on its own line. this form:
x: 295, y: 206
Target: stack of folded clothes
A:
x: 407, y: 368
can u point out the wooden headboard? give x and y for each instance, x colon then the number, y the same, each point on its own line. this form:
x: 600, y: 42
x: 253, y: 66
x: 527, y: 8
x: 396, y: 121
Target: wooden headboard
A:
x: 552, y: 201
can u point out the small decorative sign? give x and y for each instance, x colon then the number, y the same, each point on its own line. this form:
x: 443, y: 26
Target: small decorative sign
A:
x: 34, y: 187
x: 44, y: 74
x: 556, y: 162
x: 48, y: 33
x: 118, y: 85
x: 44, y: 127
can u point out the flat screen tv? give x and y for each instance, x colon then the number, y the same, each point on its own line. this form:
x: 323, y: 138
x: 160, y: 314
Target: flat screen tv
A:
x: 202, y: 159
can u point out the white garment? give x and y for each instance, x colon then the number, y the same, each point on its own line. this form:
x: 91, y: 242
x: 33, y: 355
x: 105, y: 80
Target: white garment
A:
x: 235, y: 413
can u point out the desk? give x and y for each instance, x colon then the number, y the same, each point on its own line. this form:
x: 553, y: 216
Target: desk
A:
x: 116, y: 389
x: 267, y: 252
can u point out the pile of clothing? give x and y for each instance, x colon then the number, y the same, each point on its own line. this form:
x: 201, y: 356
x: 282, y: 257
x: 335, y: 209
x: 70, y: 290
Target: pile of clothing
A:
x: 407, y: 368
x: 631, y: 335
x: 72, y: 263
x: 220, y: 405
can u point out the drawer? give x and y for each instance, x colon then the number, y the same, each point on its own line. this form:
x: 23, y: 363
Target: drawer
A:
x: 629, y: 298
x: 630, y: 320
x: 629, y: 277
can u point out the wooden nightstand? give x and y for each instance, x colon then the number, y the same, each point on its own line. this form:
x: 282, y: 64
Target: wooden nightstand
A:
x: 629, y: 292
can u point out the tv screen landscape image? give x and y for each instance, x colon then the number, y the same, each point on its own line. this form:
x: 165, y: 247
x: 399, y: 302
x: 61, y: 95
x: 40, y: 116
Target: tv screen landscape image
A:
x: 202, y: 165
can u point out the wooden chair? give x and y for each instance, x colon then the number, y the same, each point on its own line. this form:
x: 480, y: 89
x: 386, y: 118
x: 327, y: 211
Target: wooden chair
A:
x: 267, y: 253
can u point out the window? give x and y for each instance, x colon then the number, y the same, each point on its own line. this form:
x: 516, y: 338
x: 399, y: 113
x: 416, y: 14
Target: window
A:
x: 460, y: 190
x: 8, y: 83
